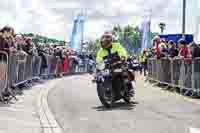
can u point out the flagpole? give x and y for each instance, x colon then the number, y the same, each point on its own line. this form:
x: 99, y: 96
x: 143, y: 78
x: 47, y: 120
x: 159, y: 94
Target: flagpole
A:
x: 183, y: 18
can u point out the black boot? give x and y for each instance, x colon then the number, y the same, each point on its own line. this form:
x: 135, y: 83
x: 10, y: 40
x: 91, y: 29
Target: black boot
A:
x: 131, y: 90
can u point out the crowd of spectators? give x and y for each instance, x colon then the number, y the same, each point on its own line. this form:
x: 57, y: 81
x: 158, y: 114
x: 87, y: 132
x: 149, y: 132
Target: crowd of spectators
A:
x: 162, y: 48
x: 169, y: 49
x: 13, y: 44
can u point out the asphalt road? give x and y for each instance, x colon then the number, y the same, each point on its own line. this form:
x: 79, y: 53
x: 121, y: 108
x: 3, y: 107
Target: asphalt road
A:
x: 77, y: 108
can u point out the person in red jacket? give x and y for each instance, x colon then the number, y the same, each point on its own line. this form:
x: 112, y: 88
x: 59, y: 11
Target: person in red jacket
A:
x: 156, y: 43
x: 66, y: 63
x: 184, y: 49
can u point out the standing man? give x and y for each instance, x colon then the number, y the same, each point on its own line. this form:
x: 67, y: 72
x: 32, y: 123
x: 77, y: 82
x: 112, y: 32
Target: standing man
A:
x: 143, y: 61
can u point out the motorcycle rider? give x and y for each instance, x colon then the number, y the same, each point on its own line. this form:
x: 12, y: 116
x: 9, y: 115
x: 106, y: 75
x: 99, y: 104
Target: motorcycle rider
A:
x: 108, y: 47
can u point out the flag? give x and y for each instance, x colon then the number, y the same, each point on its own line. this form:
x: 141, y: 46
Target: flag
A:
x: 146, y: 34
x: 77, y: 33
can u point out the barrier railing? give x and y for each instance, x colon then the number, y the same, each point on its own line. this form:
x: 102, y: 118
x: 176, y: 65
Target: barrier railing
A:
x: 176, y: 73
x: 22, y: 69
x: 4, y: 68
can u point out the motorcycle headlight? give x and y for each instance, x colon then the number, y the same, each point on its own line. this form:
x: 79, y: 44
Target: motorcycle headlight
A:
x: 101, y: 66
x: 106, y: 72
x: 135, y: 61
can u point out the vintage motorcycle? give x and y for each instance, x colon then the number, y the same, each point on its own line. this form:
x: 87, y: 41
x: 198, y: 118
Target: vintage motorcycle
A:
x: 112, y: 77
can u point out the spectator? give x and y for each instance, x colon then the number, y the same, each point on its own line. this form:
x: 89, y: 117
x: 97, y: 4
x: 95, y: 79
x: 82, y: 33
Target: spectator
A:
x: 163, y: 49
x: 143, y: 61
x: 195, y: 50
x: 156, y: 43
x: 43, y: 62
x: 21, y: 53
x: 66, y: 62
x: 5, y: 40
x: 59, y: 54
x: 34, y: 51
x: 167, y: 44
x: 173, y: 51
x: 151, y: 53
x: 184, y: 50
x: 28, y: 46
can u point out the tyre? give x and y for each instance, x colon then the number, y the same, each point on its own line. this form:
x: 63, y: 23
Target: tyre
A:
x: 105, y: 94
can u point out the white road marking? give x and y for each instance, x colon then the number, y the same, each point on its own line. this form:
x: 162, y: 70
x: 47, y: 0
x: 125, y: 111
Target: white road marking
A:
x: 194, y: 130
x: 84, y: 119
x: 16, y: 110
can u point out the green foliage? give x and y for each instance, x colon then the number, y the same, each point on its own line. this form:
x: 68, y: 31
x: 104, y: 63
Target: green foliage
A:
x: 92, y: 46
x: 129, y: 37
x: 41, y: 39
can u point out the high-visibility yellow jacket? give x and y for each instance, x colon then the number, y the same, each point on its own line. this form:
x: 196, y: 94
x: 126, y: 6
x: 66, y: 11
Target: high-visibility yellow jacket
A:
x: 142, y: 58
x: 116, y: 47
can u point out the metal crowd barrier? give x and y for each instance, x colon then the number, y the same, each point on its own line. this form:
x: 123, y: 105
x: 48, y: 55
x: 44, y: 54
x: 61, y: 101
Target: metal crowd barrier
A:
x: 177, y: 73
x: 196, y: 73
x: 55, y: 66
x: 20, y: 69
x: 4, y: 68
x: 36, y: 66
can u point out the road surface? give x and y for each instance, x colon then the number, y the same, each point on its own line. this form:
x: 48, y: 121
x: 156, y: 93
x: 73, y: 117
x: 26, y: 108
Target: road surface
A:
x: 75, y: 104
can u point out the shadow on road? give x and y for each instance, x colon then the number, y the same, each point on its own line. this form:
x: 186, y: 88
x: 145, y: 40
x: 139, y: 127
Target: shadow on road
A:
x: 117, y: 106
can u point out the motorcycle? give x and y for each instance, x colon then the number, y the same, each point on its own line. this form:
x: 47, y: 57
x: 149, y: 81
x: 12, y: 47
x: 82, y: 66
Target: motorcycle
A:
x: 111, y: 78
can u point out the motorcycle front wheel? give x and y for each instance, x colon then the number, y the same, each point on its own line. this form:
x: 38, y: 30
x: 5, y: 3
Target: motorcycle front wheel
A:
x: 105, y: 93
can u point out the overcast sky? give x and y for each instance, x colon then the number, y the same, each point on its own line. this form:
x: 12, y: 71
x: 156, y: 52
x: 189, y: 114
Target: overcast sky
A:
x: 54, y: 18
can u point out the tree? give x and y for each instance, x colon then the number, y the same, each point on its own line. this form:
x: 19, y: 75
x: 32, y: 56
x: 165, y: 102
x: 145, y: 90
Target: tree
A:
x: 162, y: 27
x: 92, y: 46
x: 128, y: 37
x: 41, y: 39
x: 117, y: 29
x: 117, y: 32
x: 137, y: 29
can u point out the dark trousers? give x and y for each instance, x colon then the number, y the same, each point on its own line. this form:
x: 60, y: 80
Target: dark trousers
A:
x: 144, y: 68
